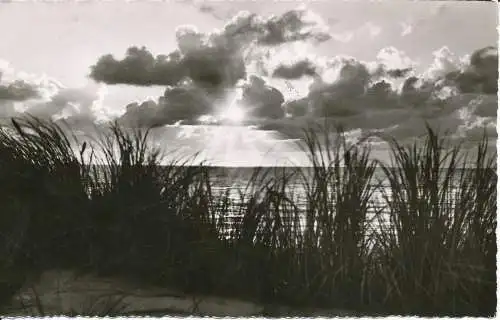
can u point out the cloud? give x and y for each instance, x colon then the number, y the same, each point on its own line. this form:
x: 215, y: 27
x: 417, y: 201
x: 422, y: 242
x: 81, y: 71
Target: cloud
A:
x: 461, y: 121
x: 188, y: 103
x: 207, y: 70
x: 337, y: 98
x: 393, y: 63
x: 420, y: 92
x: 206, y: 8
x: 406, y: 28
x: 83, y: 104
x: 350, y: 90
x: 297, y: 107
x: 139, y: 67
x: 382, y: 95
x: 44, y: 97
x: 208, y: 64
x: 21, y: 86
x: 348, y: 86
x: 445, y: 62
x: 481, y: 75
x: 214, y: 68
x: 410, y: 25
x: 487, y: 107
x: 141, y: 114
x: 182, y: 102
x: 373, y: 30
x: 343, y: 37
x: 294, y: 25
x: 365, y: 95
x: 210, y: 73
x: 390, y: 62
x: 296, y: 70
x: 457, y: 116
x: 260, y: 100
x: 368, y: 28
x: 18, y: 91
x: 344, y: 86
x: 449, y: 75
x: 212, y: 60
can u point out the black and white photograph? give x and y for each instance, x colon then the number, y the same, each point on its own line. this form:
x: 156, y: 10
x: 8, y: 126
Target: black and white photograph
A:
x: 248, y: 158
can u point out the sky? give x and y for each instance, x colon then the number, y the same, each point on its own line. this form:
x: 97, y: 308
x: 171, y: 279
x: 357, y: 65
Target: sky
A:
x: 251, y: 80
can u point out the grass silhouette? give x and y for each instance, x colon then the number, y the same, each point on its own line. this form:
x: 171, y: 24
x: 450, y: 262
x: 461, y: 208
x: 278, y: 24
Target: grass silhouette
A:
x: 110, y: 205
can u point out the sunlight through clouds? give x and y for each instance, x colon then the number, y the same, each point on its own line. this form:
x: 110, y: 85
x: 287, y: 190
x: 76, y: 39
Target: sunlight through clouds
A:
x: 250, y: 81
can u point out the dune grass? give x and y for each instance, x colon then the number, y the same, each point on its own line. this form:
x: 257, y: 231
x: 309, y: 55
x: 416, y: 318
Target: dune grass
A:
x: 109, y: 205
x: 438, y: 249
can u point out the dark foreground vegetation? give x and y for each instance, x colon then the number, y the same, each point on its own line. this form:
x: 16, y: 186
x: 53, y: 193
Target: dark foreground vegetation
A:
x: 128, y: 215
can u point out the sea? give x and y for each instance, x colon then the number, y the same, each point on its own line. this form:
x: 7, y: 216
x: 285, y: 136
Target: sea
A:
x: 237, y: 184
x: 236, y: 181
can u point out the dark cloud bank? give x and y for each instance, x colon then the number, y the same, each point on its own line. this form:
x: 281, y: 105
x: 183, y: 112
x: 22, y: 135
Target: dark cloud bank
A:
x: 205, y: 67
